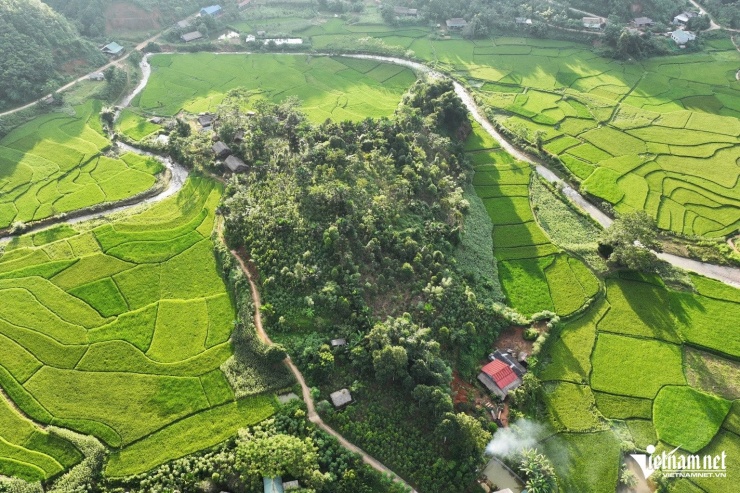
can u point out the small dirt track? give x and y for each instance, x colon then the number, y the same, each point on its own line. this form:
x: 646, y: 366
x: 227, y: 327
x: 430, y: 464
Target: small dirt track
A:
x: 250, y: 271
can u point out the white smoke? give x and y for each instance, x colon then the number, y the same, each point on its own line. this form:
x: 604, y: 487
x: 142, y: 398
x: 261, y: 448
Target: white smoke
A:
x: 517, y: 437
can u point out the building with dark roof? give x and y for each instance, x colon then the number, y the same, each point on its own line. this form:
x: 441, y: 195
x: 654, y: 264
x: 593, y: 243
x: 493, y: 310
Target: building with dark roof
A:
x: 191, y: 36
x: 642, y: 22
x: 456, y: 24
x: 405, y: 12
x: 220, y: 149
x: 235, y: 164
x: 206, y: 120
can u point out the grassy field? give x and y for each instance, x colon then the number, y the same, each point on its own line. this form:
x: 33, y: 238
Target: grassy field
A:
x: 535, y: 274
x: 54, y: 164
x: 633, y: 358
x: 329, y: 87
x: 639, y: 134
x: 119, y: 331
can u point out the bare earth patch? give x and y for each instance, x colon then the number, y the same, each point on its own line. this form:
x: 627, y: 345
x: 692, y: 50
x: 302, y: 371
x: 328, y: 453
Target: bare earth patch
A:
x: 124, y: 16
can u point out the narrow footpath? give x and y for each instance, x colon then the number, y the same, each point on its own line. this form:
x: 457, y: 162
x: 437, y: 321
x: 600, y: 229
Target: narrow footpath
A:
x: 250, y: 272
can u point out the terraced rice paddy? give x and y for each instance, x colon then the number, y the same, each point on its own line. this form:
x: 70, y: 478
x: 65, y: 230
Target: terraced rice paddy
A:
x: 328, y: 87
x: 634, y: 135
x: 55, y: 164
x: 119, y: 331
x: 660, y: 135
x: 535, y: 274
x: 623, y: 360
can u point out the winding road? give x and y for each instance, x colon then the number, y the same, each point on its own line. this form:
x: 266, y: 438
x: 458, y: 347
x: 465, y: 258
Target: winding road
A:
x: 179, y: 175
x: 313, y: 416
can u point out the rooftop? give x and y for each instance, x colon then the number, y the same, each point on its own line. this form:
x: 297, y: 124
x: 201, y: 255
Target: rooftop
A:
x: 500, y: 373
x: 235, y: 164
x: 341, y: 398
x: 113, y: 48
x: 210, y: 10
x: 456, y: 22
x: 192, y: 36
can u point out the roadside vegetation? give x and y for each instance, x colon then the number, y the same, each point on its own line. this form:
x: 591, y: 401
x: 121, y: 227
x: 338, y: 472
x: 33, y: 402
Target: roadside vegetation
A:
x: 402, y: 229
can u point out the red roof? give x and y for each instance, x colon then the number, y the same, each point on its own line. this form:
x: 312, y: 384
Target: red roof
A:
x: 500, y: 373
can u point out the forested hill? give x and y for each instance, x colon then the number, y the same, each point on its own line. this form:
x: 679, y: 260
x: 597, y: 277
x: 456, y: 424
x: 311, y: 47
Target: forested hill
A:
x: 88, y: 16
x: 35, y: 45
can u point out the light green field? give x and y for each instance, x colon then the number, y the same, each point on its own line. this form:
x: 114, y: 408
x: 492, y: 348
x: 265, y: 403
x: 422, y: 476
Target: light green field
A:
x: 53, y: 165
x: 119, y: 332
x: 687, y: 418
x: 629, y: 352
x: 535, y: 275
x: 329, y: 87
x: 677, y: 115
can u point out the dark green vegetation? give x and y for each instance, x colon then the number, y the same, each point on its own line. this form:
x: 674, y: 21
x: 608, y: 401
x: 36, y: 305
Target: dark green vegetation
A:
x: 119, y: 332
x: 285, y: 444
x: 39, y: 49
x: 56, y: 164
x: 727, y: 13
x: 352, y: 228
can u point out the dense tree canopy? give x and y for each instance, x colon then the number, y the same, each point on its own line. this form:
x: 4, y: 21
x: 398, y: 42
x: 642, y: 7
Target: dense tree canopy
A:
x: 629, y: 241
x: 35, y: 42
x: 353, y: 228
x: 86, y: 15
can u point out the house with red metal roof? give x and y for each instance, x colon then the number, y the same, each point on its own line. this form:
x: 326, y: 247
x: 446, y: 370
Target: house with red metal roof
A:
x: 501, y: 375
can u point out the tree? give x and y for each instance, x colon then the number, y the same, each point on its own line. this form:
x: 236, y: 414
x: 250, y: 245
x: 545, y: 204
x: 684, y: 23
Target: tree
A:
x: 699, y: 23
x: 275, y: 353
x: 538, y: 471
x: 631, y: 239
x: 433, y: 400
x: 463, y: 435
x: 263, y: 455
x: 627, y: 478
x: 391, y: 363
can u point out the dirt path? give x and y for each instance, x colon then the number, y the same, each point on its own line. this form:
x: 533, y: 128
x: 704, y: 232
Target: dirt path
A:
x: 712, y: 25
x: 250, y: 271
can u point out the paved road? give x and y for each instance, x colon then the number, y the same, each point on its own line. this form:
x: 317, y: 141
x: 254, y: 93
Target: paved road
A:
x: 140, y: 46
x: 312, y: 414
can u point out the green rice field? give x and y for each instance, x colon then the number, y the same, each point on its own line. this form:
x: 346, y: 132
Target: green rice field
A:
x: 660, y: 134
x: 118, y: 332
x: 328, y: 87
x: 535, y: 274
x: 624, y: 360
x: 56, y: 164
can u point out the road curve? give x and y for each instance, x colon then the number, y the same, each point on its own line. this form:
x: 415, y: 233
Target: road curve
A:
x: 313, y: 416
x: 140, y: 46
